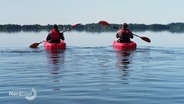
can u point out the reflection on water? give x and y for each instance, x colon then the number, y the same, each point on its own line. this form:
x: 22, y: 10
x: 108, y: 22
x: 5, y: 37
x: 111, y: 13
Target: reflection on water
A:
x: 124, y: 60
x: 56, y: 62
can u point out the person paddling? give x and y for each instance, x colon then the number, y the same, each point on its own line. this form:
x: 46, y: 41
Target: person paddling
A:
x: 54, y: 36
x: 124, y: 34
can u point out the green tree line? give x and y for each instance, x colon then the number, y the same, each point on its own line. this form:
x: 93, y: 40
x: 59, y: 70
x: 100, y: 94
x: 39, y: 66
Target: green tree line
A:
x: 93, y: 27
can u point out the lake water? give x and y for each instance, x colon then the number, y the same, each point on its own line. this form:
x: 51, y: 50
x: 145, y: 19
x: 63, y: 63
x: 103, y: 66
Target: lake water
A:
x: 90, y: 71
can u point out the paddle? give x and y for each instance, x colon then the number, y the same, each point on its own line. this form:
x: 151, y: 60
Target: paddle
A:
x: 35, y: 45
x: 104, y: 23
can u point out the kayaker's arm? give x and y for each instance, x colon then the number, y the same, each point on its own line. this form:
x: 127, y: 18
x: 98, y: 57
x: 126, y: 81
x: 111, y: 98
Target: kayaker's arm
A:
x: 130, y: 34
x: 61, y: 36
x: 48, y: 37
x: 117, y: 35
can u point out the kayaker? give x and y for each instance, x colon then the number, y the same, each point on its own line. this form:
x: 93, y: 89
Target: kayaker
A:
x: 124, y: 34
x: 54, y: 36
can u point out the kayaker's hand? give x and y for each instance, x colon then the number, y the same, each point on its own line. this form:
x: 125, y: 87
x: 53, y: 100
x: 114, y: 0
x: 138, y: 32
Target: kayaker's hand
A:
x: 118, y: 39
x: 62, y: 32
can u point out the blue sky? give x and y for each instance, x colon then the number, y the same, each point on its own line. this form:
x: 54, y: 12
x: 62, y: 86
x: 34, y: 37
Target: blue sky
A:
x: 90, y: 11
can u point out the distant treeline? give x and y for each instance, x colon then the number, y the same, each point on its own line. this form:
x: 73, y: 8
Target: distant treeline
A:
x: 93, y: 27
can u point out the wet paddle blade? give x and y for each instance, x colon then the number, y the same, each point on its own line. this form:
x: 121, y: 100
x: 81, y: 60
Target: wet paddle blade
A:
x: 143, y: 38
x: 75, y: 25
x: 104, y: 23
x: 146, y: 39
x: 34, y: 45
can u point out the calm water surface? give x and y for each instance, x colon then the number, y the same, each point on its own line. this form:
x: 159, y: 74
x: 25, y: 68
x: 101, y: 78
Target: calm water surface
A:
x: 89, y: 71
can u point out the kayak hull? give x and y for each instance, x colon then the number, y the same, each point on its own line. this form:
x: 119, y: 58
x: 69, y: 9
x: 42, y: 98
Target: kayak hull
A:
x: 50, y: 46
x: 124, y: 46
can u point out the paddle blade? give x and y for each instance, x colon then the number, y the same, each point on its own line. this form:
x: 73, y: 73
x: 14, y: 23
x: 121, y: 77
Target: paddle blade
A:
x: 146, y: 39
x: 75, y: 25
x: 104, y: 23
x: 34, y: 45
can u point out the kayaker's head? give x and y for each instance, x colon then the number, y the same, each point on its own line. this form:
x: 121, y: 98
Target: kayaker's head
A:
x: 55, y: 27
x: 125, y: 25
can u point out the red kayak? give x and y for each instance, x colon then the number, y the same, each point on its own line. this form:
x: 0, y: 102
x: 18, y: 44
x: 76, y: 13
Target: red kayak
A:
x: 124, y: 46
x: 50, y: 46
